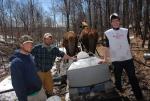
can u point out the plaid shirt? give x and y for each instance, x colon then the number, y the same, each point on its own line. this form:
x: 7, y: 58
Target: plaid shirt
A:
x: 45, y: 56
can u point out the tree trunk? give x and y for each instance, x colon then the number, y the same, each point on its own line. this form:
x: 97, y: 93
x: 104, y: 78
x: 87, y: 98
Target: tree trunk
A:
x: 107, y: 20
x: 125, y: 13
x: 137, y: 16
x: 89, y: 11
x: 95, y: 15
x: 67, y: 6
x: 117, y: 2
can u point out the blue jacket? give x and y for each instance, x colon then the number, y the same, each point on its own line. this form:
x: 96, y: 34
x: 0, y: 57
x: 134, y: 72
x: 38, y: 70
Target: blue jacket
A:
x: 24, y: 76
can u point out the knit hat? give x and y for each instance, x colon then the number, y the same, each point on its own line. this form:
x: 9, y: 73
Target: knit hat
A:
x: 114, y: 16
x: 25, y: 38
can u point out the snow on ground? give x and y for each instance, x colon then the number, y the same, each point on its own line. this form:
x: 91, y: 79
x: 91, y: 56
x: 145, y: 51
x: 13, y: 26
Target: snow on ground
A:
x: 2, y: 38
x: 9, y: 39
x: 62, y: 49
x: 6, y: 85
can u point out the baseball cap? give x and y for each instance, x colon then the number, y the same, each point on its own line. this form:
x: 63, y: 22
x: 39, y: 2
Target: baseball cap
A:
x: 25, y: 38
x: 114, y: 16
x: 84, y: 24
x: 46, y: 35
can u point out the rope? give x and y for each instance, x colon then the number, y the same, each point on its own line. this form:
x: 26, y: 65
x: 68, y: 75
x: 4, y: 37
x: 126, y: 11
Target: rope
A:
x: 9, y: 90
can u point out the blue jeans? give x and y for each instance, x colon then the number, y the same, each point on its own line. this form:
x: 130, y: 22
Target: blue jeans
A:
x: 129, y: 67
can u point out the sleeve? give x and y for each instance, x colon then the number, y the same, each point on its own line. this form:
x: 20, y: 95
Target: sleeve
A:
x: 106, y: 41
x: 128, y: 37
x: 33, y: 52
x: 59, y: 53
x: 18, y: 80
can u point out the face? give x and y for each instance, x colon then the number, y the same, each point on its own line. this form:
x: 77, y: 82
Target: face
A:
x: 86, y: 29
x: 48, y: 41
x: 27, y: 47
x: 115, y: 23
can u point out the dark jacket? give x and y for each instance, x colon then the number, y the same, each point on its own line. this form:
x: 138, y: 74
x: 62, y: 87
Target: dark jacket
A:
x: 24, y: 76
x: 45, y: 56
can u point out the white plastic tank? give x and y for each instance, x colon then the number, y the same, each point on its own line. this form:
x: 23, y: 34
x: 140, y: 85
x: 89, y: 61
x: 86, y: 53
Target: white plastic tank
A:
x: 87, y: 72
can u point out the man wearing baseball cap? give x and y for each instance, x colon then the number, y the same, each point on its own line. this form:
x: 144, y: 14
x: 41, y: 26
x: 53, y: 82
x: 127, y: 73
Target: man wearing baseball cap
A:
x: 45, y: 54
x: 117, y: 46
x: 25, y: 80
x: 46, y: 35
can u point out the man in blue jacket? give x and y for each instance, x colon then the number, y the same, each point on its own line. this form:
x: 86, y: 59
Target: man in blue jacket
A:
x: 25, y: 81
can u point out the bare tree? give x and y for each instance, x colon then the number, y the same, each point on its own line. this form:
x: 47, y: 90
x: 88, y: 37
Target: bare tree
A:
x: 67, y: 9
x: 4, y: 19
x: 107, y: 25
x: 23, y: 16
x: 89, y: 2
x: 95, y: 14
x: 9, y: 6
x: 126, y: 13
x: 146, y: 23
x: 137, y: 16
x: 31, y: 13
x: 100, y: 25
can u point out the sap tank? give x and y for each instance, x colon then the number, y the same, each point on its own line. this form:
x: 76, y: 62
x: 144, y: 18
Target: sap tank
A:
x: 87, y: 72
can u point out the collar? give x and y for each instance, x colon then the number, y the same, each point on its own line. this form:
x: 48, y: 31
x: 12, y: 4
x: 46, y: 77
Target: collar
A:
x: 45, y: 46
x: 116, y: 28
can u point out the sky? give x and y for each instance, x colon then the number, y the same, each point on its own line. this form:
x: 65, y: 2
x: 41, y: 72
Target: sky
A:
x: 47, y: 4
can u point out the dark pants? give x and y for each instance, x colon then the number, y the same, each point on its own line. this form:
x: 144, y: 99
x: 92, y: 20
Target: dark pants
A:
x: 128, y: 65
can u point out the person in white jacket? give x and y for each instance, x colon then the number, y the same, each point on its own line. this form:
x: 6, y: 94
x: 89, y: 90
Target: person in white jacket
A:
x: 117, y: 46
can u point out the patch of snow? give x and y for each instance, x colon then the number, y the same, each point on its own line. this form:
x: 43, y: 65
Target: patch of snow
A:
x: 67, y: 98
x: 9, y: 40
x: 10, y: 96
x: 62, y: 49
x: 6, y: 85
x: 2, y: 38
x: 131, y: 37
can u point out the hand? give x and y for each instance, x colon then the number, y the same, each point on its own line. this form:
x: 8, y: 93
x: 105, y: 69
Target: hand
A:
x: 102, y: 61
x: 70, y: 58
x: 74, y: 58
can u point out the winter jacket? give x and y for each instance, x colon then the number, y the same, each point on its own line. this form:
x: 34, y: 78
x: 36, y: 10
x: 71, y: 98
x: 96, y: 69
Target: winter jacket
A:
x: 24, y: 76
